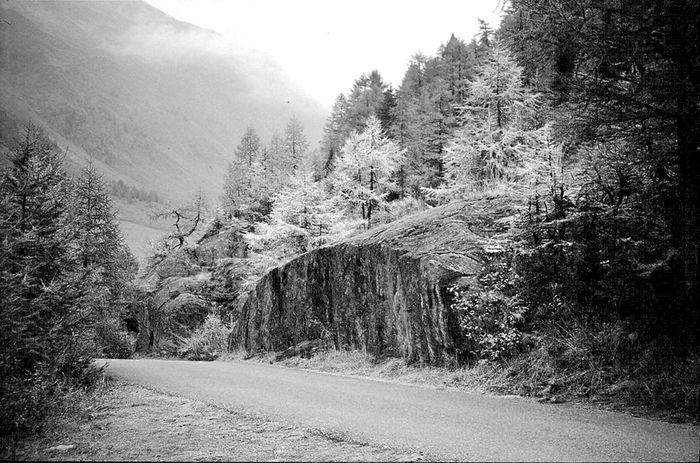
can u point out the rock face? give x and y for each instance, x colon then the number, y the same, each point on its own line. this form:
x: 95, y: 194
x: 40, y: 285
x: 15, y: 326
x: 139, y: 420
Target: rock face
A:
x: 384, y: 291
x: 188, y: 284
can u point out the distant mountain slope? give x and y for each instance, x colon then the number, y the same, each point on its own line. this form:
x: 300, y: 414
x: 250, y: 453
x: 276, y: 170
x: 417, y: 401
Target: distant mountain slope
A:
x: 159, y: 103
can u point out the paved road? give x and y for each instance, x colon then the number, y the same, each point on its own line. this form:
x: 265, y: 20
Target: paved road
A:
x: 442, y: 423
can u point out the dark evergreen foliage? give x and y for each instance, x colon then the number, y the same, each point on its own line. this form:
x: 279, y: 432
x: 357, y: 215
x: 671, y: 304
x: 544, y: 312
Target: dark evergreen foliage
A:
x: 625, y: 82
x: 50, y: 283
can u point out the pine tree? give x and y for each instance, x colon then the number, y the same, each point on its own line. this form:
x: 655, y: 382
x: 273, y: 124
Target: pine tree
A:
x: 277, y: 164
x: 365, y: 100
x: 386, y: 112
x: 456, y: 67
x: 483, y: 41
x: 420, y: 125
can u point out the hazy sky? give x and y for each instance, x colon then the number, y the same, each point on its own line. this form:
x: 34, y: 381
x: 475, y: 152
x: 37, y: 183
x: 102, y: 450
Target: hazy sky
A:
x: 324, y: 45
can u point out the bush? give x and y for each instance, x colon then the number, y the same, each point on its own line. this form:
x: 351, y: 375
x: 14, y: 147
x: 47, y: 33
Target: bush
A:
x: 26, y: 402
x: 207, y: 342
x: 606, y: 362
x: 490, y: 317
x: 114, y: 342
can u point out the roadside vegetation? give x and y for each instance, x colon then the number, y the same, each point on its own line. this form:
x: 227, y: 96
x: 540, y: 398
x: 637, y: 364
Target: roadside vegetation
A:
x: 65, y: 283
x: 658, y: 393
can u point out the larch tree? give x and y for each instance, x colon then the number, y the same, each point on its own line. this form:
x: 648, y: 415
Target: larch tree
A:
x: 498, y: 134
x: 303, y: 216
x: 363, y: 174
x: 240, y: 183
x: 96, y: 220
x: 104, y: 256
x: 626, y: 78
x: 186, y: 218
x: 295, y: 146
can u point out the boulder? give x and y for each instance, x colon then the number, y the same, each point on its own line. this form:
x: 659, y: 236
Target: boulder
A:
x: 228, y: 242
x: 181, y: 288
x: 383, y: 291
x: 177, y: 263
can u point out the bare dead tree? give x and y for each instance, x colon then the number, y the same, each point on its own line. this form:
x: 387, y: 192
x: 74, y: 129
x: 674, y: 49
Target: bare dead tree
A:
x: 187, y: 218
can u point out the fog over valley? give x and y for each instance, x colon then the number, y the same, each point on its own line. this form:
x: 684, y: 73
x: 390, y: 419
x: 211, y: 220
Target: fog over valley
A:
x: 158, y: 103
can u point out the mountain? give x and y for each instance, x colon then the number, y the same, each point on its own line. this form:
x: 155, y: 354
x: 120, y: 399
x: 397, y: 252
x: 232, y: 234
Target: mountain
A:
x: 158, y: 103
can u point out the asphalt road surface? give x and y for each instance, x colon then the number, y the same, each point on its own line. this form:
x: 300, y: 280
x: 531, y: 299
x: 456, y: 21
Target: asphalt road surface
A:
x: 444, y: 424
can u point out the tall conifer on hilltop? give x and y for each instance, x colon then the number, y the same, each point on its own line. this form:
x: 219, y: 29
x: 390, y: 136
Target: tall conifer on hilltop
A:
x: 334, y: 134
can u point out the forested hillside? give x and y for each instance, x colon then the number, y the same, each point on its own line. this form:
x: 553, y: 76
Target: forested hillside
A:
x: 156, y: 103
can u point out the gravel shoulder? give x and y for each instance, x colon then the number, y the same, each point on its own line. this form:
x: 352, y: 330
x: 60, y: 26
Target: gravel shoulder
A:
x: 130, y: 422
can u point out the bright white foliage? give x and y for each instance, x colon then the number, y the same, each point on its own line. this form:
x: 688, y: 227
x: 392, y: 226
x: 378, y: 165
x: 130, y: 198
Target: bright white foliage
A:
x: 362, y: 174
x: 303, y: 216
x: 498, y: 143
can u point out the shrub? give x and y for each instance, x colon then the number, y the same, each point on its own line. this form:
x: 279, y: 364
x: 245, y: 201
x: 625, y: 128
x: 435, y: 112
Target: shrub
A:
x: 114, y: 341
x: 207, y: 342
x: 490, y: 317
x: 26, y: 401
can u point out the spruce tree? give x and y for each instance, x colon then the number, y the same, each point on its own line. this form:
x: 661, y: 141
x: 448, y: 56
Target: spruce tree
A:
x: 334, y: 134
x: 43, y: 321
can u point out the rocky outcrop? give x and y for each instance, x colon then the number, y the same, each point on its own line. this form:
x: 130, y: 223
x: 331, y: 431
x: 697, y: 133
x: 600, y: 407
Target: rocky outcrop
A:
x: 384, y: 291
x: 182, y: 288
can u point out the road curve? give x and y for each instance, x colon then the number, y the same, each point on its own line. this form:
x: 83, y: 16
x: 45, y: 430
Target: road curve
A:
x: 446, y: 424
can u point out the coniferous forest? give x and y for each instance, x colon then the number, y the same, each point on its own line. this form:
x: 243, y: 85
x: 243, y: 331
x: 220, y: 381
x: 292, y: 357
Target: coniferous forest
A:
x: 583, y: 116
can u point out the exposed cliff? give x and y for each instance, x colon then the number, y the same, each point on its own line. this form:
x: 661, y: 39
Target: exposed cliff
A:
x: 384, y: 291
